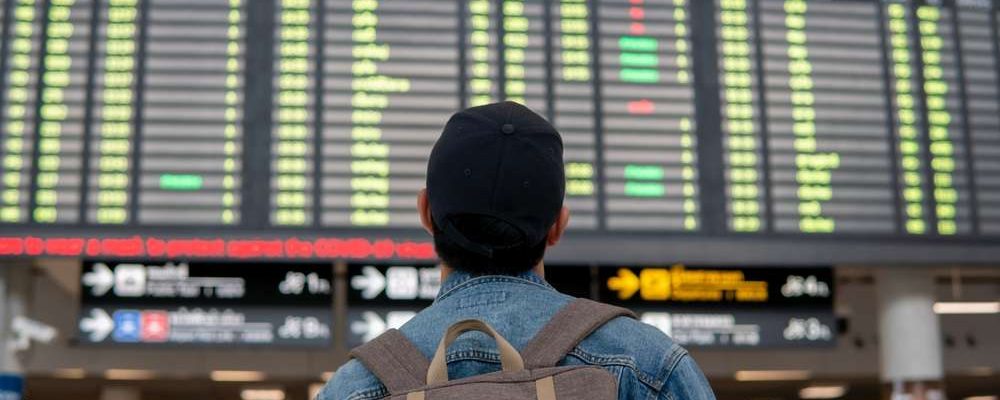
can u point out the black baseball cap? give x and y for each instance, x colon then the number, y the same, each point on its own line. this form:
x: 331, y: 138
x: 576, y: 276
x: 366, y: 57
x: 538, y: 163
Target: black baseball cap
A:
x: 500, y: 160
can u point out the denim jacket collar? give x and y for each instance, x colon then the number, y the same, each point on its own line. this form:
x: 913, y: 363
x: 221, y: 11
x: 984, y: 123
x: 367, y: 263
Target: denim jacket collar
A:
x: 458, y: 280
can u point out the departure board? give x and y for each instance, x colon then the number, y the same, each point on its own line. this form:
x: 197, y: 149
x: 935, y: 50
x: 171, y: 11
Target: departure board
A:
x: 389, y: 86
x: 293, y: 129
x: 573, y: 111
x: 976, y: 24
x: 647, y: 103
x: 480, y: 38
x: 907, y: 113
x: 742, y: 129
x: 788, y: 131
x: 829, y: 158
x: 109, y: 195
x: 44, y: 111
x: 190, y: 140
x: 946, y: 126
x: 59, y: 128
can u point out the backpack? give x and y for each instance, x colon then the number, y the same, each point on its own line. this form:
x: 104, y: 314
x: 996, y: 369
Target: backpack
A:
x: 533, y: 374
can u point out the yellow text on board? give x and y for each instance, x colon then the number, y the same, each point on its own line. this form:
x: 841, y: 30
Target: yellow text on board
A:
x: 687, y: 285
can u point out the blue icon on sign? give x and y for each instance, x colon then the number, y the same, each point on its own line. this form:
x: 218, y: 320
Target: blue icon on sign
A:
x: 11, y: 386
x: 127, y: 326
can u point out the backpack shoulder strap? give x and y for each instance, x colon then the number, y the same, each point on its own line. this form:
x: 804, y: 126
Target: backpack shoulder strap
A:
x: 395, y: 361
x: 570, y: 326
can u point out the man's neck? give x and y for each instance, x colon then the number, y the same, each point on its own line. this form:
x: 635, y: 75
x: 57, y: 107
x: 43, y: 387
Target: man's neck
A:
x: 538, y: 269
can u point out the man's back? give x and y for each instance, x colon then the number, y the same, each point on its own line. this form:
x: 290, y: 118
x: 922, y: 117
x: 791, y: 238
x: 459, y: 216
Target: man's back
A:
x: 646, y: 362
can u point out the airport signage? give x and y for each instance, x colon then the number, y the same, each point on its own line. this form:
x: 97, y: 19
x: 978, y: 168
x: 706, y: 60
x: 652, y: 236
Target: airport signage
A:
x: 732, y: 307
x: 393, y: 284
x: 736, y: 286
x: 215, y: 283
x: 766, y: 328
x: 385, y: 296
x: 729, y: 306
x: 179, y: 303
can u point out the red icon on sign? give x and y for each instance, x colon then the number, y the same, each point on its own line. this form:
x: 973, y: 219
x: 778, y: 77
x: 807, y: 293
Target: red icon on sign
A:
x: 155, y: 326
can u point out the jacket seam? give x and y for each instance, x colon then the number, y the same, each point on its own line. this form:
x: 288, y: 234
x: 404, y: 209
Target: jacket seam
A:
x: 473, y: 355
x: 378, y: 392
x: 622, y: 361
x: 677, y: 354
x: 487, y: 279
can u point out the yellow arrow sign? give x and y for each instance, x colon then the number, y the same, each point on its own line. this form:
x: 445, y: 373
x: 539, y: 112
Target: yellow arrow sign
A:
x: 626, y: 283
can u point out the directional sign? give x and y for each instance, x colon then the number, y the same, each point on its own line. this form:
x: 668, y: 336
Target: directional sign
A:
x: 408, y: 285
x: 367, y: 325
x: 214, y: 283
x: 711, y: 328
x: 100, y: 279
x: 729, y: 307
x: 371, y: 282
x: 224, y: 304
x: 386, y: 296
x: 97, y: 326
x: 236, y: 326
x: 681, y: 284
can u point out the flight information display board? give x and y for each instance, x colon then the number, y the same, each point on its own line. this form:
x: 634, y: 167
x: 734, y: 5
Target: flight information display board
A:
x: 190, y: 131
x: 647, y: 103
x: 829, y: 159
x: 977, y: 57
x: 301, y: 128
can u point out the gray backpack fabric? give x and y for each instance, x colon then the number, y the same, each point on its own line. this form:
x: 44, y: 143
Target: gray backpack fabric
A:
x: 408, y: 375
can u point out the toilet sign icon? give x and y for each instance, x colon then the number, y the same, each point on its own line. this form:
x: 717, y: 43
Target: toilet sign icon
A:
x: 155, y: 326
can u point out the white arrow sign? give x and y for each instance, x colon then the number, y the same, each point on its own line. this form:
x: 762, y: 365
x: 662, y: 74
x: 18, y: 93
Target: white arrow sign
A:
x: 100, y: 280
x: 98, y: 326
x: 370, y: 328
x: 370, y: 282
x: 372, y: 325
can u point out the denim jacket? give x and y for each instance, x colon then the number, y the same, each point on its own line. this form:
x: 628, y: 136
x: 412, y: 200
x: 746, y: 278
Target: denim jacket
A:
x: 646, y: 362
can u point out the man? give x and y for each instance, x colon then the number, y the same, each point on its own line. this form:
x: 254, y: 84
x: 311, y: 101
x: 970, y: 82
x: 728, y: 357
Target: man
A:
x: 493, y: 203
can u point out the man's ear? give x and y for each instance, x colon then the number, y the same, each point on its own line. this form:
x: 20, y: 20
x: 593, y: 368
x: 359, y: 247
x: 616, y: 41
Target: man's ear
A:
x: 424, y: 209
x: 558, y: 228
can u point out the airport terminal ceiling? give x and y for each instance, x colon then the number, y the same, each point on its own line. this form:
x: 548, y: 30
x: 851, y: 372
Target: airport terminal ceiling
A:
x: 726, y: 131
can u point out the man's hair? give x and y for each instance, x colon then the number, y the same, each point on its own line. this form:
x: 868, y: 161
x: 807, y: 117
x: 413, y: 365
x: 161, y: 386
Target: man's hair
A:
x: 490, y: 231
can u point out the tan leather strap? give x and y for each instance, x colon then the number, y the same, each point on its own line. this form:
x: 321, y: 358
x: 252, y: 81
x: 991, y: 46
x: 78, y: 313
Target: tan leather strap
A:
x: 510, y: 359
x: 567, y: 329
x: 415, y: 396
x: 394, y: 360
x: 545, y: 388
